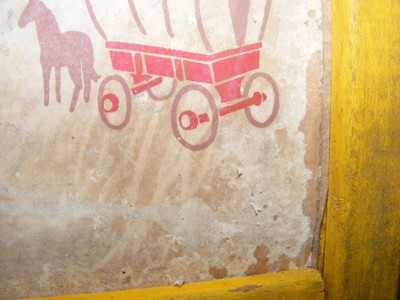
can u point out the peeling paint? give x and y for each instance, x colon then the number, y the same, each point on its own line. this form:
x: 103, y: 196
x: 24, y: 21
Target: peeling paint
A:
x: 218, y: 273
x: 261, y: 267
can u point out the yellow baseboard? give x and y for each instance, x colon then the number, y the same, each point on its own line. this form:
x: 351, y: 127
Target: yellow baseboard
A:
x: 296, y: 285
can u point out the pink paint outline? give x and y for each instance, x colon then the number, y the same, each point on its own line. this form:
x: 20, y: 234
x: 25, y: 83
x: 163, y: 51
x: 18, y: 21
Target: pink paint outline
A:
x: 95, y: 21
x: 267, y: 10
x: 135, y: 16
x: 200, y: 26
x: 167, y: 19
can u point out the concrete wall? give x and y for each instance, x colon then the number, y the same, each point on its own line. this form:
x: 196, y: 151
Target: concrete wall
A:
x: 181, y: 190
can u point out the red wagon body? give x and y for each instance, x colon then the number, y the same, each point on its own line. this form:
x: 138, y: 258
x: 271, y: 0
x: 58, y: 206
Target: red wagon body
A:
x: 204, y: 68
x: 224, y: 71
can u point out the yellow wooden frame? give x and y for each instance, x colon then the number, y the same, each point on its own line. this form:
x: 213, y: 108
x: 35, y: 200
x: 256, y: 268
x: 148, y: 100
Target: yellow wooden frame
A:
x: 361, y: 240
x: 290, y: 285
x: 362, y: 250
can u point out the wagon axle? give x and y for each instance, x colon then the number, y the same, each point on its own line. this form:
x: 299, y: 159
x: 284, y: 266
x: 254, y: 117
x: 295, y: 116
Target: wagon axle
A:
x: 195, y: 120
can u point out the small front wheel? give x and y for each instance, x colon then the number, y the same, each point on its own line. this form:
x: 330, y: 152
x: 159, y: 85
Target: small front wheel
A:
x: 113, y: 114
x: 264, y: 114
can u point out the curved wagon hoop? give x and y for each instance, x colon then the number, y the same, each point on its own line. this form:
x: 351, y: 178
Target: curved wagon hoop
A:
x: 136, y: 18
x: 167, y: 20
x: 95, y: 21
x: 267, y: 11
x: 168, y: 24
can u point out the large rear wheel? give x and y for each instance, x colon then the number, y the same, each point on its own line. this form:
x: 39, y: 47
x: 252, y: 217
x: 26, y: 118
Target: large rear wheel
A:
x: 264, y: 114
x: 194, y: 117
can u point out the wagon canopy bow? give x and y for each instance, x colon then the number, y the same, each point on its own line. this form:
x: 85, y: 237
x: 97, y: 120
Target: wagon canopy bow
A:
x: 239, y: 10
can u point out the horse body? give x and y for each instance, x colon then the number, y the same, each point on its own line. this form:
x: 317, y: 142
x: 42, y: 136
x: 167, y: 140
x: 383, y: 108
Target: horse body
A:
x: 70, y: 49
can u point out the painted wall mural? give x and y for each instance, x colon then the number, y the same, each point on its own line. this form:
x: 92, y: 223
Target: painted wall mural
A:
x: 70, y: 49
x: 149, y: 142
x: 147, y: 64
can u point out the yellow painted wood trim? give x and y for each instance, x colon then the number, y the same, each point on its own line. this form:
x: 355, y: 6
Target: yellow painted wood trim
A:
x: 297, y: 285
x: 362, y: 247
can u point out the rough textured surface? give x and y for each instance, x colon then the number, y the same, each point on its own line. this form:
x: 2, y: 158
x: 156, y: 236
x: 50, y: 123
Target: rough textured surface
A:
x: 86, y: 208
x: 363, y: 212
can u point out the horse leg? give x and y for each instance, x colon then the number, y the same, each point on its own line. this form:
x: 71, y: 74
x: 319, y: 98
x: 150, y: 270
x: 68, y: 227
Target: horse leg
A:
x: 87, y: 81
x: 46, y: 83
x: 75, y: 73
x: 58, y: 84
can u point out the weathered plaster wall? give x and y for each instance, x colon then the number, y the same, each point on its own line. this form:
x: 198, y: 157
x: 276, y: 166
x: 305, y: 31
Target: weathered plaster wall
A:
x: 86, y: 208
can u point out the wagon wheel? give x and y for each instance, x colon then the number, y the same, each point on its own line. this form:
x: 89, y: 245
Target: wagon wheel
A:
x: 194, y: 130
x: 263, y: 115
x: 109, y: 104
x: 166, y: 96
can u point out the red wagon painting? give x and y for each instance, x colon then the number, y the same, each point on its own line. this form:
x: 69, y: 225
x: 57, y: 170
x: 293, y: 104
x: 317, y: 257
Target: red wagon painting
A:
x: 210, y: 76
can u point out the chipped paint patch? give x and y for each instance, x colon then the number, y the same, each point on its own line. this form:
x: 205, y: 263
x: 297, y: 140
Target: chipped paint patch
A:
x: 218, y: 273
x: 316, y: 158
x: 261, y: 267
x: 246, y: 289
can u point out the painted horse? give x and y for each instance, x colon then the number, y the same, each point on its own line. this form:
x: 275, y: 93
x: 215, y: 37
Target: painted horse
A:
x: 70, y: 49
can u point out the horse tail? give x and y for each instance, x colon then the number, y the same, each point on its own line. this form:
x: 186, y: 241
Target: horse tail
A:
x: 93, y: 75
x: 88, y: 62
x: 89, y: 73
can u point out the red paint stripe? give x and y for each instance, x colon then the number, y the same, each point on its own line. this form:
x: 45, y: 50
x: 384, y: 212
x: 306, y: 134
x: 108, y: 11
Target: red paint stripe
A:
x: 255, y: 100
x: 138, y: 63
x: 150, y: 84
x: 199, y: 72
x: 204, y: 118
x: 179, y: 69
x: 139, y: 78
x: 237, y: 65
x: 122, y: 61
x: 239, y: 50
x: 161, y: 66
x: 182, y: 54
x: 230, y: 90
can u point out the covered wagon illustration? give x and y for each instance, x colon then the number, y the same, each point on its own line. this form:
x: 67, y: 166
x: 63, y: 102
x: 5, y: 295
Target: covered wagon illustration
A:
x: 215, y: 76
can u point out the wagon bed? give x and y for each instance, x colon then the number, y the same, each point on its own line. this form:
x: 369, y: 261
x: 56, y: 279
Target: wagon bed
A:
x: 224, y: 71
x: 206, y: 68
